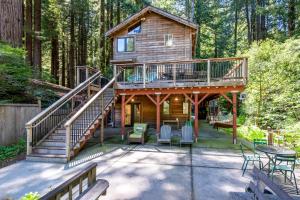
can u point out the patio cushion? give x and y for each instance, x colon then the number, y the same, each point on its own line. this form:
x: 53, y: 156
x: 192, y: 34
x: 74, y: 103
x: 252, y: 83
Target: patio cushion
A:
x: 139, y: 128
x: 135, y: 135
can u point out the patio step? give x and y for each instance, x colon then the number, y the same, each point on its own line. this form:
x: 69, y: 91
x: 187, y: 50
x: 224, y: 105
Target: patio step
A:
x: 52, y: 158
x: 57, y: 150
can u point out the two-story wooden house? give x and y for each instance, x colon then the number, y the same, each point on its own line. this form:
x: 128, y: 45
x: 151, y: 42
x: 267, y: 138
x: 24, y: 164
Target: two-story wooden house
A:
x: 156, y: 80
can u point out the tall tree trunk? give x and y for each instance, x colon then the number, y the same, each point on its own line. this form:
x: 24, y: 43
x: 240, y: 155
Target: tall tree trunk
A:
x: 28, y: 31
x: 102, y: 36
x: 37, y: 54
x: 71, y: 50
x: 55, y: 58
x: 248, y: 21
x: 118, y: 12
x: 63, y: 63
x: 192, y: 10
x: 253, y: 18
x: 291, y: 17
x: 11, y: 22
x: 111, y: 16
x: 235, y: 25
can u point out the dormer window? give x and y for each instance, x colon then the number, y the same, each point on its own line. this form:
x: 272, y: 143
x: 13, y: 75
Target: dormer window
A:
x: 135, y: 29
x: 168, y: 40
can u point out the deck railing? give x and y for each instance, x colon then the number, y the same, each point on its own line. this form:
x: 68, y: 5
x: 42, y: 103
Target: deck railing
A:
x: 52, y: 117
x: 218, y: 71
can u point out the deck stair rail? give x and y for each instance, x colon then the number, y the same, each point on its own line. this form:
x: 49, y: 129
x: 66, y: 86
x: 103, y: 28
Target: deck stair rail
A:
x: 81, y: 125
x: 46, y: 122
x: 198, y: 72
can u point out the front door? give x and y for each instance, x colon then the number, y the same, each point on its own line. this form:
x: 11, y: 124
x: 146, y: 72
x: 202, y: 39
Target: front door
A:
x: 133, y: 114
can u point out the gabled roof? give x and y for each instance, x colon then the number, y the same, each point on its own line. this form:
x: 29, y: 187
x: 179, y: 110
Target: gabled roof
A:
x: 150, y: 9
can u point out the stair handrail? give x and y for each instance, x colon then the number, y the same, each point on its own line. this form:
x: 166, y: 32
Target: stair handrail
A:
x: 39, y: 127
x: 81, y: 110
x: 69, y: 123
x: 56, y: 105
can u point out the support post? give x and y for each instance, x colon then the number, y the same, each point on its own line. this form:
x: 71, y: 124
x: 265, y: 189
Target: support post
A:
x: 234, y: 118
x: 102, y: 121
x: 78, y: 76
x: 68, y: 137
x: 123, y: 116
x: 144, y: 75
x: 157, y: 113
x: 196, y: 117
x: 29, y: 140
x: 208, y: 72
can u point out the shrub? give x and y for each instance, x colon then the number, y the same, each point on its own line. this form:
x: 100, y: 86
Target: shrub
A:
x: 31, y: 196
x: 12, y: 151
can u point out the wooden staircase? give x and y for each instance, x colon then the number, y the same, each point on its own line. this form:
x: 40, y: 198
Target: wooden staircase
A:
x: 64, y: 138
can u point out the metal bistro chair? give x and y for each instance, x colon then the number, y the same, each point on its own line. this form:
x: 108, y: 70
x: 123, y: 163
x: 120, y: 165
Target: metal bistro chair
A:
x: 259, y: 142
x: 285, y: 164
x: 252, y: 158
x: 165, y: 134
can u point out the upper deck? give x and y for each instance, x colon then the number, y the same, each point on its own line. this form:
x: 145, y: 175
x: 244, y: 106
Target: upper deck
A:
x: 175, y: 74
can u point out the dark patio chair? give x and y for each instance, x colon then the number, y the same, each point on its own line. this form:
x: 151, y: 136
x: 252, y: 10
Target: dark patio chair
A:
x: 165, y: 134
x: 187, y: 135
x: 252, y: 158
x: 285, y: 164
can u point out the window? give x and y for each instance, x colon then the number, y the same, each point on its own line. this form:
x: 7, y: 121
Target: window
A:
x: 168, y: 40
x: 185, y: 108
x: 166, y: 107
x: 125, y: 44
x: 135, y: 29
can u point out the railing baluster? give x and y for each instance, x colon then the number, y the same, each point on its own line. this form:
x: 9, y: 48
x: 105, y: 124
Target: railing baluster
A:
x: 144, y: 75
x: 208, y: 72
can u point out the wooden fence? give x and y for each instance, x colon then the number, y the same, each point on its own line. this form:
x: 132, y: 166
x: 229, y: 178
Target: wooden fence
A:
x: 13, y: 118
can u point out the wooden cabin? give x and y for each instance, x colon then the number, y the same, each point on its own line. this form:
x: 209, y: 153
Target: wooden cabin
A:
x: 158, y: 79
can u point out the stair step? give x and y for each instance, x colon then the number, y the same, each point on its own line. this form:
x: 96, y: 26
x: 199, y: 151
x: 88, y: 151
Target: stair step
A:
x: 49, y: 150
x: 61, y: 137
x: 53, y: 143
x: 60, y: 130
x: 47, y: 158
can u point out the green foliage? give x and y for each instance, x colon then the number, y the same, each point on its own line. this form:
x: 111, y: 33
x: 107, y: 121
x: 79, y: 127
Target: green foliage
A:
x: 12, y: 151
x: 251, y: 132
x: 14, y: 75
x: 274, y: 89
x: 31, y: 196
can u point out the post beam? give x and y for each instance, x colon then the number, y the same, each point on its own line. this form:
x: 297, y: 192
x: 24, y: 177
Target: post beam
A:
x: 234, y: 118
x: 123, y: 116
x: 157, y: 113
x: 196, y: 117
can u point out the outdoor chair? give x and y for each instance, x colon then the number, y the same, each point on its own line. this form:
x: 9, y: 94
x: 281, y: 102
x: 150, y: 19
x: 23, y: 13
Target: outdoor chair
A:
x: 165, y: 134
x: 285, y: 164
x: 259, y: 142
x: 252, y: 158
x: 187, y: 135
x: 138, y: 134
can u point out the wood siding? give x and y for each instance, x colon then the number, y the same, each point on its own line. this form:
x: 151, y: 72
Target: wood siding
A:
x: 150, y: 44
x: 148, y: 110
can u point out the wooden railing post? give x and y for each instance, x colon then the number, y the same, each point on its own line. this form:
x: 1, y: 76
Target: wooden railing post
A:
x: 68, y: 138
x: 78, y: 76
x: 174, y: 73
x: 29, y: 140
x: 245, y: 71
x: 144, y: 75
x: 208, y: 72
x: 86, y: 73
x: 115, y: 70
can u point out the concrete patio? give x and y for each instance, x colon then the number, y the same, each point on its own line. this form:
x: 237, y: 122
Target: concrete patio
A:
x: 141, y: 171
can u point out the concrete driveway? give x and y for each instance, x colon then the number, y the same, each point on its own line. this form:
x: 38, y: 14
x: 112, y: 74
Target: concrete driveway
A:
x: 140, y: 172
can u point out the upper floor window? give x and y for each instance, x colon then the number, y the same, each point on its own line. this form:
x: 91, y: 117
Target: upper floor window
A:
x: 125, y: 44
x: 168, y: 40
x: 135, y: 29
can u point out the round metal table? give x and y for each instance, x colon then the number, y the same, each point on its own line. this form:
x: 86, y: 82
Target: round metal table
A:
x: 272, y: 151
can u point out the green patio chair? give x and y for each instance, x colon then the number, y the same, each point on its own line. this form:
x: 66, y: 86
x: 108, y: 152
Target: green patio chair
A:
x: 285, y: 164
x: 259, y: 142
x: 187, y: 135
x: 138, y: 134
x: 165, y: 134
x: 252, y: 158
